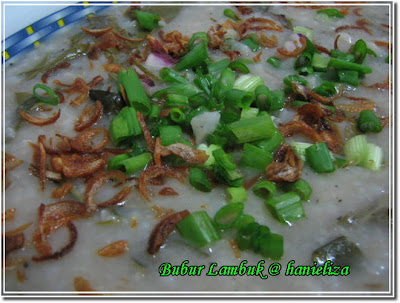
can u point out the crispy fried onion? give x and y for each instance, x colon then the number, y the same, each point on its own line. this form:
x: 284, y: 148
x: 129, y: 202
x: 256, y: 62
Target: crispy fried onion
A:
x: 62, y: 146
x: 51, y: 218
x: 146, y: 132
x: 50, y: 175
x: 97, y: 32
x: 18, y: 230
x: 52, y: 70
x: 244, y: 10
x: 360, y: 24
x: 380, y: 86
x: 42, y: 166
x: 296, y: 52
x: 85, y: 141
x: 173, y: 44
x: 79, y: 87
x: 112, y: 68
x: 90, y: 115
x: 154, y: 171
x: 114, y: 249
x: 310, y: 121
x: 168, y: 191
x: 287, y: 166
x: 39, y: 121
x: 8, y: 215
x: 77, y: 165
x: 97, y: 181
x: 265, y: 41
x: 216, y: 36
x: 11, y: 162
x: 162, y: 230
x: 187, y: 153
x: 263, y: 24
x: 14, y: 242
x: 360, y: 105
x: 62, y: 191
x: 105, y: 41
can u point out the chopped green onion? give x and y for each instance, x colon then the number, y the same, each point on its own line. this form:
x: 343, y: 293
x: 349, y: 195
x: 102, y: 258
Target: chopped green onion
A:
x: 360, y: 51
x: 274, y: 61
x: 368, y: 122
x: 136, y: 163
x: 276, y: 100
x: 320, y: 62
x: 188, y: 90
x: 259, y: 238
x: 225, y: 82
x: 177, y: 115
x: 310, y: 48
x: 170, y: 134
x: 236, y: 194
x: 171, y: 76
x: 326, y: 89
x: 231, y: 114
x: 355, y: 149
x: 197, y: 101
x: 371, y: 52
x: 125, y: 125
x: 114, y: 163
x: 154, y: 112
x: 244, y: 220
x: 246, y: 235
x: 218, y: 67
x: 341, y: 64
x: 230, y: 14
x: 342, y: 56
x: 341, y: 163
x: 194, y: 57
x: 331, y: 12
x: 348, y: 76
x: 374, y: 157
x: 205, y: 83
x: 272, y: 246
x: 198, y: 179
x: 255, y: 157
x: 236, y: 97
x: 228, y: 215
x: 302, y: 188
x: 175, y: 100
x: 249, y: 112
x: 52, y: 100
x: 209, y: 152
x: 240, y: 66
x: 262, y: 94
x: 248, y: 83
x: 303, y: 60
x: 202, y: 36
x: 294, y: 78
x: 253, y: 129
x: 251, y: 42
x: 286, y: 207
x: 198, y: 229
x: 225, y: 170
x: 300, y: 148
x: 146, y: 20
x: 271, y: 144
x: 134, y: 90
x: 304, y: 31
x: 265, y: 189
x: 319, y: 158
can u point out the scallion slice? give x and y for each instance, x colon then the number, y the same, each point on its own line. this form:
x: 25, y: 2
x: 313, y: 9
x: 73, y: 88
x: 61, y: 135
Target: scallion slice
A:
x: 198, y: 229
x: 171, y: 76
x: 348, y: 76
x: 271, y: 144
x: 286, y: 207
x: 360, y: 51
x: 248, y: 83
x: 53, y: 97
x: 309, y: 33
x: 146, y: 20
x: 255, y: 157
x: 368, y: 122
x: 319, y: 158
x: 230, y: 14
x: 341, y: 64
x: 251, y: 42
x: 272, y: 246
x: 274, y: 61
x: 302, y: 188
x: 194, y: 57
x: 228, y: 215
x: 237, y: 97
x: 236, y: 194
x: 125, y: 125
x: 331, y: 12
x: 265, y: 189
x: 253, y: 129
x: 198, y: 179
x: 355, y: 149
x: 198, y: 37
x: 177, y: 115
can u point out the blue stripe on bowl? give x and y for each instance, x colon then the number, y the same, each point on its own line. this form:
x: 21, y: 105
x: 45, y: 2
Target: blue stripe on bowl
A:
x: 22, y: 40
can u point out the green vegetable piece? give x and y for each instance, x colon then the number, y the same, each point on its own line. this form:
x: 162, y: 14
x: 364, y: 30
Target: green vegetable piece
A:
x: 171, y: 76
x: 287, y: 207
x: 53, y: 97
x: 255, y: 157
x: 348, y: 76
x: 272, y: 246
x: 360, y: 51
x: 341, y: 64
x: 230, y: 14
x: 331, y: 12
x: 368, y: 122
x: 198, y: 229
x: 274, y: 61
x: 302, y: 188
x: 198, y: 179
x: 265, y: 190
x: 253, y: 129
x: 147, y: 21
x: 251, y: 42
x: 228, y: 215
x: 194, y: 57
x: 271, y: 144
x: 125, y: 125
x: 319, y: 158
x: 236, y: 194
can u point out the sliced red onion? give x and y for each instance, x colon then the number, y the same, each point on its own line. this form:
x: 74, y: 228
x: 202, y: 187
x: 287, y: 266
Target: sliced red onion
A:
x: 159, y: 60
